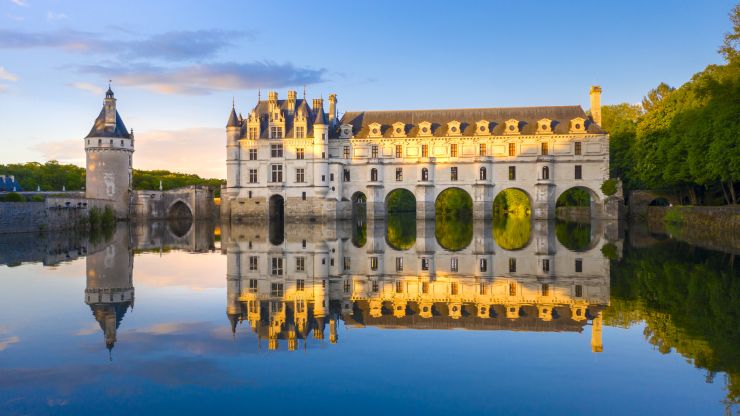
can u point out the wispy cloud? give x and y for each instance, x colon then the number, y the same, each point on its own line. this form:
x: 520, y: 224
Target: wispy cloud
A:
x: 206, y: 78
x: 52, y: 16
x: 15, y: 18
x: 22, y: 3
x: 170, y: 46
x: 7, y: 75
x: 5, y: 343
x: 86, y: 86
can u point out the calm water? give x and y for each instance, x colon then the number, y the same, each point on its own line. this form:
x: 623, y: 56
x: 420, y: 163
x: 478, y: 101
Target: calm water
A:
x: 510, y: 317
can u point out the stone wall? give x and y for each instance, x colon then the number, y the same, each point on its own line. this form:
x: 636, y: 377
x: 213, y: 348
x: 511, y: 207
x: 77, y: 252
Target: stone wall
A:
x: 714, y: 228
x: 157, y: 205
x: 52, y: 214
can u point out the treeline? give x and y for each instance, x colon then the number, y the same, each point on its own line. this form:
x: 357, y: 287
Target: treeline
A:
x: 53, y: 176
x: 685, y: 139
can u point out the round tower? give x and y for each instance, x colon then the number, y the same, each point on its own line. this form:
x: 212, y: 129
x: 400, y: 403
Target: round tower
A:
x: 109, y: 149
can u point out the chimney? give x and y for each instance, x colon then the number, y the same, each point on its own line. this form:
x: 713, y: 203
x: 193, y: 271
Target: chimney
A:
x: 318, y: 104
x: 332, y: 108
x: 272, y: 98
x: 291, y: 101
x: 595, y: 95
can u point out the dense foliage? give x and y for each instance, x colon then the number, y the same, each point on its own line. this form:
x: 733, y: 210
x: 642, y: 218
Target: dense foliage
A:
x: 53, y: 176
x: 401, y: 230
x: 400, y: 200
x: 573, y: 235
x: 511, y: 201
x: 574, y: 197
x: 685, y: 139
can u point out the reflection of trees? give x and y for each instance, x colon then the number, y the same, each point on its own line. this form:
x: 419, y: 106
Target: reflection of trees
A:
x: 401, y: 230
x: 400, y: 200
x: 512, y: 232
x: 359, y: 231
x: 574, y: 236
x: 689, y: 300
x: 453, y: 232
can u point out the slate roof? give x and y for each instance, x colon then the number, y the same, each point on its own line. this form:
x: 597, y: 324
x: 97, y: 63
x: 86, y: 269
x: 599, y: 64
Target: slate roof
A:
x: 100, y: 130
x: 8, y: 185
x: 262, y: 109
x: 468, y: 117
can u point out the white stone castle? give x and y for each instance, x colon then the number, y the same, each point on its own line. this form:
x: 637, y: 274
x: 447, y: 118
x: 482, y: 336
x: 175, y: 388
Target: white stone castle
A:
x: 288, y: 157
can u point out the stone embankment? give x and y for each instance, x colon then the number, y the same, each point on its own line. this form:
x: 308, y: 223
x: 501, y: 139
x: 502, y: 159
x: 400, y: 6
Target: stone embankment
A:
x: 51, y: 214
x: 714, y: 228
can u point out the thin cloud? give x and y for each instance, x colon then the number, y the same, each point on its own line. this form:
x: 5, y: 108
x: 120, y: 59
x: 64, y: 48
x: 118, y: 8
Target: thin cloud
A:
x: 88, y: 87
x: 7, y: 75
x: 22, y: 3
x: 3, y: 89
x: 5, y: 343
x: 206, y: 78
x: 171, y: 46
x: 51, y: 16
x: 15, y: 18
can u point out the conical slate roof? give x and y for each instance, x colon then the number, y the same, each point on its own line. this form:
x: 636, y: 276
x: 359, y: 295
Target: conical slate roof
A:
x: 99, y: 129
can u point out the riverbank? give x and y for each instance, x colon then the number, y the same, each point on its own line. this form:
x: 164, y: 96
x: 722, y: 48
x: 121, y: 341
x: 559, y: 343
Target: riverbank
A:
x: 715, y: 228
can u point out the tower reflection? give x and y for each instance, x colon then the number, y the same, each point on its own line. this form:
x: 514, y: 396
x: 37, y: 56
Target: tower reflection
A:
x: 321, y: 273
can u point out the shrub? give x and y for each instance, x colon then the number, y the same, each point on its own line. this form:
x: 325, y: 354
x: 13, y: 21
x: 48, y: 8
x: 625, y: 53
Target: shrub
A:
x: 13, y: 197
x: 609, y: 187
x: 609, y: 250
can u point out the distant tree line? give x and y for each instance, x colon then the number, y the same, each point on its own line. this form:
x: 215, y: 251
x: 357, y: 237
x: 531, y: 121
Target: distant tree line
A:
x: 685, y: 139
x: 53, y: 176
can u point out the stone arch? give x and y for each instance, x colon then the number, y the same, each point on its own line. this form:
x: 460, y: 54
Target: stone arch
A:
x: 453, y: 225
x: 179, y: 209
x: 512, y: 219
x: 659, y: 202
x: 504, y: 191
x: 400, y: 200
x: 575, y: 195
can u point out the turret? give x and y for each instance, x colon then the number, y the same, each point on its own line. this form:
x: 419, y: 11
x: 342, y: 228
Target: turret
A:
x: 233, y: 131
x: 595, y: 95
x: 109, y: 104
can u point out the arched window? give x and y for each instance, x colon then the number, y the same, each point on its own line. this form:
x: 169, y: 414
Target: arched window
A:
x: 424, y: 174
x: 373, y: 175
x: 545, y: 172
x: 483, y: 173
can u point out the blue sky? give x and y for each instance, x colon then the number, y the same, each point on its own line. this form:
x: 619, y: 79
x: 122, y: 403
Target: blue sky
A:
x: 176, y: 65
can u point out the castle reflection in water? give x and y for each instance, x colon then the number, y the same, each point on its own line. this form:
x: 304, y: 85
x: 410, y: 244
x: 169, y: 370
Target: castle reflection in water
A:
x: 289, y: 285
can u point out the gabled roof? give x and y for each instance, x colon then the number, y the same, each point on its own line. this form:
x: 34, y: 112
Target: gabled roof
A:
x: 468, y: 117
x: 100, y: 130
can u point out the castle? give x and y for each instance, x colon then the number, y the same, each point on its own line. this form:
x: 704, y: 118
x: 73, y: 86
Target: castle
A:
x: 293, y: 159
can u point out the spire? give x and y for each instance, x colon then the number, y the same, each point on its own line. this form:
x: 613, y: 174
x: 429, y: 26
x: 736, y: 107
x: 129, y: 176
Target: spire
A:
x: 109, y: 93
x: 233, y: 119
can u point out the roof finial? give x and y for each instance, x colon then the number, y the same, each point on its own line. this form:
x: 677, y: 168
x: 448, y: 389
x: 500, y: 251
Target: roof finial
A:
x: 304, y: 92
x: 233, y: 102
x: 259, y: 94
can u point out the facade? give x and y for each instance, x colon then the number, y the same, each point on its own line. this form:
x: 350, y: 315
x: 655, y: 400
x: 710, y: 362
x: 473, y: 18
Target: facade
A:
x: 291, y: 157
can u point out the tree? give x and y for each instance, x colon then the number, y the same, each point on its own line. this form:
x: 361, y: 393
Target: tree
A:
x: 656, y: 95
x: 729, y: 48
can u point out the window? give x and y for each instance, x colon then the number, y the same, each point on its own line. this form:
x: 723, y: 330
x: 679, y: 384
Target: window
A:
x: 323, y: 155
x: 331, y: 177
x: 373, y: 175
x: 512, y: 149
x: 277, y: 266
x: 453, y: 173
x: 347, y: 286
x: 399, y: 174
x: 512, y: 289
x: 300, y: 175
x: 482, y: 149
x: 346, y: 175
x: 373, y: 263
x: 252, y: 154
x: 579, y: 265
x: 454, y: 288
x: 276, y: 132
x: 300, y: 264
x: 253, y: 285
x: 512, y: 173
x: 253, y: 263
x: 303, y: 197
x: 424, y: 263
x: 276, y: 150
x: 545, y: 172
x: 300, y: 153
x: 276, y: 290
x: 578, y: 148
x: 303, y: 243
x: 252, y: 175
x: 453, y: 150
x: 331, y: 262
x: 483, y: 289
x: 347, y: 263
x: 545, y: 265
x: 277, y: 173
x: 545, y: 289
x: 424, y: 150
x: 483, y: 173
x: 323, y: 178
x: 579, y: 291
x: 300, y: 132
x: 399, y: 287
x: 399, y: 151
x: 375, y: 286
x: 399, y: 264
x: 424, y: 174
x: 252, y: 133
x: 579, y: 172
x: 453, y: 264
x: 374, y: 152
x: 544, y: 148
x: 345, y: 152
x: 483, y: 265
x: 512, y: 265
x: 300, y: 285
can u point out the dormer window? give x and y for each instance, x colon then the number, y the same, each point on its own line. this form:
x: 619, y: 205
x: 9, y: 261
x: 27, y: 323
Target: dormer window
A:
x: 482, y: 127
x: 453, y: 128
x: 512, y: 126
x: 425, y: 128
x: 375, y: 130
x: 544, y: 126
x: 399, y: 129
x: 578, y: 125
x: 345, y: 131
